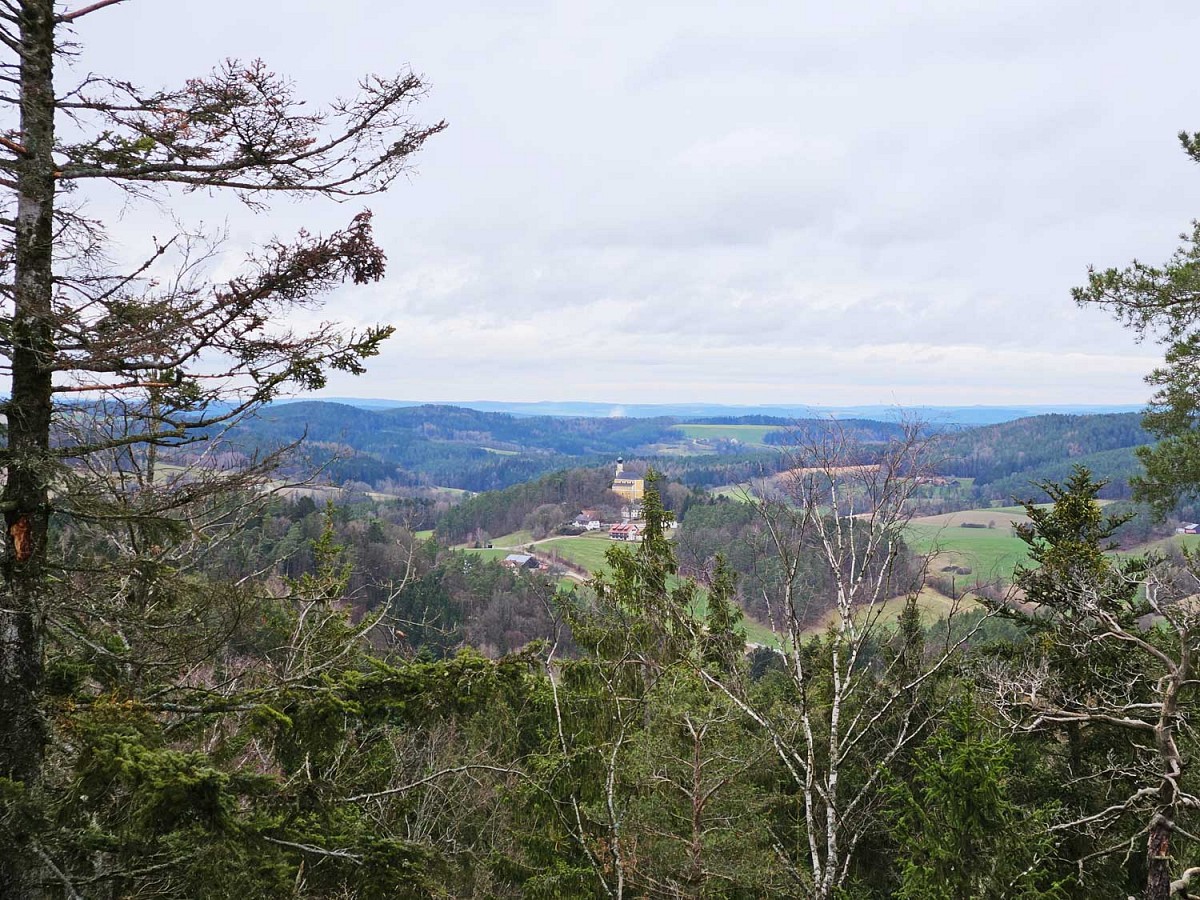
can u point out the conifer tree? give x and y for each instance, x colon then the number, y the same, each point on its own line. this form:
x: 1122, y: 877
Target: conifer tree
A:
x: 1163, y: 303
x: 1112, y: 665
x: 111, y: 367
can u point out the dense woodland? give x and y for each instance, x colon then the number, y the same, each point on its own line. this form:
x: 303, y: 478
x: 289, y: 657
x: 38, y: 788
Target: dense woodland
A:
x: 215, y: 684
x: 379, y: 715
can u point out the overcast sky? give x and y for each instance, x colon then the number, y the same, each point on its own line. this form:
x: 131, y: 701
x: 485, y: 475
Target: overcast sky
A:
x: 811, y: 203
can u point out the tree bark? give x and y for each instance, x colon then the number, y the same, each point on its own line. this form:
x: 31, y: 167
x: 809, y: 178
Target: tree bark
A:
x: 23, y: 734
x: 1158, y: 861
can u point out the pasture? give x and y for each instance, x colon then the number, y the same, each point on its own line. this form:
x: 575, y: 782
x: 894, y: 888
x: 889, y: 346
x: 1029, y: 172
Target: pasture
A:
x: 489, y: 554
x: 586, y: 550
x: 515, y: 540
x: 1175, y: 541
x: 751, y: 435
x: 988, y: 546
x: 931, y: 605
x: 742, y: 492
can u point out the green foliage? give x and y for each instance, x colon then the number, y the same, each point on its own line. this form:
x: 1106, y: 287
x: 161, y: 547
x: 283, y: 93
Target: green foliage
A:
x: 501, y: 512
x: 1070, y: 543
x: 447, y: 445
x: 724, y: 645
x: 961, y: 834
x: 655, y: 618
x: 1163, y: 302
x: 1004, y: 458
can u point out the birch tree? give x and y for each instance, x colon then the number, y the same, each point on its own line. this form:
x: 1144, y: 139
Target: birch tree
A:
x: 860, y: 691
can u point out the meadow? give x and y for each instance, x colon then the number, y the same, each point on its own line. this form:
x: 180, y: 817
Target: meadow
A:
x: 515, y: 540
x: 586, y: 550
x: 751, y: 435
x: 988, y: 546
x: 931, y: 605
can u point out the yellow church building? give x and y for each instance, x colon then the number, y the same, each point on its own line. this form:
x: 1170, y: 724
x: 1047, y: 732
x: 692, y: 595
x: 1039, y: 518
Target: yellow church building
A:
x: 630, y: 489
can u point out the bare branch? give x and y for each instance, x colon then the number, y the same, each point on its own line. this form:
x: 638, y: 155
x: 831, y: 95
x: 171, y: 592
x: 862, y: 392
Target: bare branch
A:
x: 83, y: 11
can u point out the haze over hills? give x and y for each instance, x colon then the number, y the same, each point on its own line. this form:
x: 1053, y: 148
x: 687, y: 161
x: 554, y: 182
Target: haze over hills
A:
x: 936, y: 415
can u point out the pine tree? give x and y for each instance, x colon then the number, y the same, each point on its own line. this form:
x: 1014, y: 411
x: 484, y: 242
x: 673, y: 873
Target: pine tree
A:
x: 110, y: 368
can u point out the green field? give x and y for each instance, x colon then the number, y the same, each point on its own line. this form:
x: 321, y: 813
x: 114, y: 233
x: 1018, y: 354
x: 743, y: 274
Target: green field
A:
x: 516, y: 539
x: 1190, y: 541
x: 994, y: 552
x: 587, y: 550
x: 931, y: 604
x: 489, y: 555
x: 991, y: 552
x: 1019, y: 510
x: 741, y: 492
x: 756, y: 632
x: 746, y: 434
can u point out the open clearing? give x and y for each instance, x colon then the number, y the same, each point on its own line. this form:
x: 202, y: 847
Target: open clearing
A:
x: 990, y: 549
x: 932, y: 605
x: 586, y: 550
x: 489, y: 554
x: 515, y: 540
x: 745, y: 434
x: 1188, y: 541
x: 743, y: 492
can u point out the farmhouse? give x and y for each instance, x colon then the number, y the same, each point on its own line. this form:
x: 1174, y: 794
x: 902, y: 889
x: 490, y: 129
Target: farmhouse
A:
x: 629, y: 531
x: 519, y: 561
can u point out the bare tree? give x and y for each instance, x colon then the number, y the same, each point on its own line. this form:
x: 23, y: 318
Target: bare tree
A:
x: 104, y: 361
x: 833, y: 562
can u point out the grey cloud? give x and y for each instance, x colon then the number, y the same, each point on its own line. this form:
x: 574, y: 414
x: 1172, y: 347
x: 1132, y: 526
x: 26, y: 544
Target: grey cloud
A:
x: 741, y: 202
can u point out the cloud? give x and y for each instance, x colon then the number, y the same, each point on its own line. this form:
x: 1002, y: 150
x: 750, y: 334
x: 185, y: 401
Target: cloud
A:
x: 849, y: 203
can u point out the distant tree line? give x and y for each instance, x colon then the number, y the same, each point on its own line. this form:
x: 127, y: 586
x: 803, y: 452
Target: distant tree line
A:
x: 994, y: 452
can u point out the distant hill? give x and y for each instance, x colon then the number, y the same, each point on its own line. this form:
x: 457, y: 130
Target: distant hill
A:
x: 478, y: 450
x: 1004, y: 459
x: 936, y: 415
x: 446, y: 445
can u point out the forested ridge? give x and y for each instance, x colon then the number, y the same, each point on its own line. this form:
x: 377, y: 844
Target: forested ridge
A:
x: 478, y: 451
x: 994, y: 452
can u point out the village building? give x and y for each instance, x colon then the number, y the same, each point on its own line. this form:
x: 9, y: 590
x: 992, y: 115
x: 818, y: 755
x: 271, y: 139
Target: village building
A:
x: 520, y: 561
x: 631, y: 489
x: 628, y: 531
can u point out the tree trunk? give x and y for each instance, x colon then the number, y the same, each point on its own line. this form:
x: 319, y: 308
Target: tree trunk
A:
x: 1158, y: 861
x: 23, y: 732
